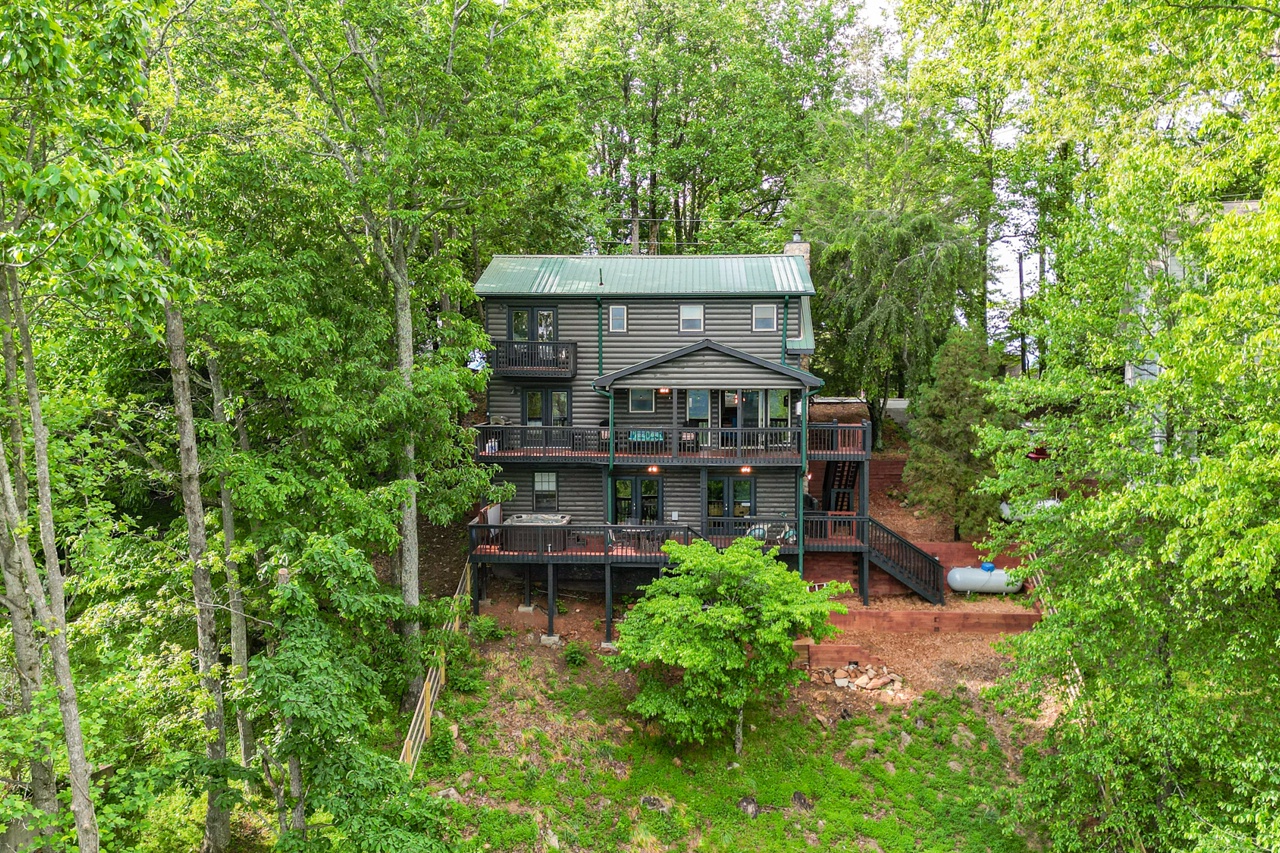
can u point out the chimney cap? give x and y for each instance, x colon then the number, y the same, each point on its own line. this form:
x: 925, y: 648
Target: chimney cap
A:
x: 796, y: 236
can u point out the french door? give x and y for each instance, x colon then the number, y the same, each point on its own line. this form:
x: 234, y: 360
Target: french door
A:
x: 547, y: 407
x: 731, y: 502
x: 637, y: 500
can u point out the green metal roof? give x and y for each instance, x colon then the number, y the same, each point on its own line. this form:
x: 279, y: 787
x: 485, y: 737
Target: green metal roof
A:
x: 641, y: 275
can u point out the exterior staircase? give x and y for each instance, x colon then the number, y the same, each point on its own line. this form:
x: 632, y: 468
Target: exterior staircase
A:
x: 898, y: 557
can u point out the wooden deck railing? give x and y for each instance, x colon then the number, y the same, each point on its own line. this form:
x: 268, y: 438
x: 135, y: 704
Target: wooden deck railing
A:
x: 535, y: 359
x: 839, y: 441
x: 420, y: 724
x: 639, y: 444
x: 583, y: 543
x: 918, y: 570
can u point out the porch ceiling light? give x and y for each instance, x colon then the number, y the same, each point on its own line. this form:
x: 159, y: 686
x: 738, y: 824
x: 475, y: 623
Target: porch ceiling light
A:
x: 653, y: 469
x: 746, y: 469
x: 664, y: 390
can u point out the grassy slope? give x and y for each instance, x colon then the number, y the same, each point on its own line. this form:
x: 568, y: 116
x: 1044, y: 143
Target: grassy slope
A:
x: 546, y: 747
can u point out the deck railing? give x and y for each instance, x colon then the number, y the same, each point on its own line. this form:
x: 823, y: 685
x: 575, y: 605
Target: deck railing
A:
x: 839, y: 441
x: 639, y: 443
x: 535, y: 359
x: 768, y: 530
x: 617, y: 543
x: 918, y: 570
x: 833, y: 531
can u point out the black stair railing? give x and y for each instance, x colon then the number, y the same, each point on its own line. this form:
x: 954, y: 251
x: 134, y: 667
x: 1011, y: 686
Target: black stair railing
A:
x: 920, y: 571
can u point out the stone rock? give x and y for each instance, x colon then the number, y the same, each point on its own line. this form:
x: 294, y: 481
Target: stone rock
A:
x: 877, y: 683
x: 800, y: 801
x: 897, y: 679
x: 863, y: 681
x: 464, y: 781
x: 955, y: 766
x: 453, y: 731
x: 904, y: 741
x: 919, y: 513
x: 841, y: 682
x: 919, y: 722
x: 677, y: 762
x: 840, y: 673
x: 450, y: 794
x: 656, y: 804
x: 733, y: 765
x: 904, y: 504
x: 749, y: 807
x: 963, y: 738
x: 889, y: 768
x: 822, y: 824
x: 826, y: 678
x: 549, y: 838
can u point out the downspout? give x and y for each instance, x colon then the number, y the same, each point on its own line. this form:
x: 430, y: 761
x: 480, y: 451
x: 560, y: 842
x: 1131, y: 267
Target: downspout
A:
x: 786, y: 310
x: 804, y: 473
x: 608, y: 514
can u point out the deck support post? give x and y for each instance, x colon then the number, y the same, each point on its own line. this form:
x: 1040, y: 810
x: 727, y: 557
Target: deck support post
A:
x: 551, y: 599
x: 528, y: 586
x: 608, y: 602
x: 864, y: 577
x: 477, y: 574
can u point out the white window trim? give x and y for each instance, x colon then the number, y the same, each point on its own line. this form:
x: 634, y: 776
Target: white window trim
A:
x: 631, y: 401
x: 702, y: 319
x: 623, y: 330
x: 774, y: 308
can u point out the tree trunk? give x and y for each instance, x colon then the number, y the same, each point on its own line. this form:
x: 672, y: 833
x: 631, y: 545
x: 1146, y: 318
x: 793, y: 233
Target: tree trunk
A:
x: 409, y: 507
x: 235, y: 596
x: 17, y: 442
x: 217, y: 824
x: 51, y: 612
x: 737, y: 734
x: 44, y: 793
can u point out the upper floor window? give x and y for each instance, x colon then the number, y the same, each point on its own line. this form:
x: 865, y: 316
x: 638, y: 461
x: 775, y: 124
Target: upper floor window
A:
x: 764, y: 318
x: 617, y: 318
x: 533, y: 324
x: 641, y: 399
x: 691, y: 318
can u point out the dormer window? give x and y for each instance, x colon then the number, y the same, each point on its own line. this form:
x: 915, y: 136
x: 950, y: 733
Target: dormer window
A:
x: 764, y: 318
x: 691, y: 318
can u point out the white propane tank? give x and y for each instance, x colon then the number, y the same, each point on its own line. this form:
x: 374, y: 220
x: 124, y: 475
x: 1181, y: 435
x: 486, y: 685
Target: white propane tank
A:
x: 970, y: 579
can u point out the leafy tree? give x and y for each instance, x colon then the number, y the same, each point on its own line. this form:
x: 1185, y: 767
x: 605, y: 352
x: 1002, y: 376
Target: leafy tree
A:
x: 698, y: 114
x: 946, y: 466
x: 886, y: 298
x: 716, y: 630
x: 1158, y: 407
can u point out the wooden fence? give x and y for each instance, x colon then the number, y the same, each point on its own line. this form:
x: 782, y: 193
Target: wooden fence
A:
x: 420, y: 725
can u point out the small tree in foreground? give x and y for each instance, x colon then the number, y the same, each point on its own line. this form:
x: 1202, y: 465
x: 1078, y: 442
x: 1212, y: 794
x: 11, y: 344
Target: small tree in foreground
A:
x: 716, y: 629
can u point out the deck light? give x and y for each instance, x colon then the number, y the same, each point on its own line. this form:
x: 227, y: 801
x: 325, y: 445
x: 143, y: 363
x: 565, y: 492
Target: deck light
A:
x: 746, y: 469
x: 653, y: 469
x: 664, y: 390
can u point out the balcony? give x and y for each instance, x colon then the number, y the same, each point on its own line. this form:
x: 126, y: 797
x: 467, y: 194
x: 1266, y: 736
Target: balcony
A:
x: 644, y: 445
x: 618, y: 543
x: 649, y: 445
x: 839, y: 441
x: 535, y: 359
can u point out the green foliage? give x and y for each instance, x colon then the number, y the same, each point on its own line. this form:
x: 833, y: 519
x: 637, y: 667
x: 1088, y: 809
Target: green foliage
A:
x: 485, y: 629
x: 887, y: 297
x: 577, y: 653
x: 716, y: 630
x: 945, y: 467
x: 1162, y: 556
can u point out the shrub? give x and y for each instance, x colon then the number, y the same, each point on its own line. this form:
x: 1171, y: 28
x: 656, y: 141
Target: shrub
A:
x: 485, y: 629
x: 577, y: 653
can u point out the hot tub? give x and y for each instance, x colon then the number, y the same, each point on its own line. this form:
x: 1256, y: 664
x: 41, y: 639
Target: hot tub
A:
x: 533, y: 540
x: 537, y: 518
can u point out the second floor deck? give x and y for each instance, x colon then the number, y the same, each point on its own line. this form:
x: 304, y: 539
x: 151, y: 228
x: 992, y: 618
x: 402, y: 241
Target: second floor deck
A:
x: 649, y: 444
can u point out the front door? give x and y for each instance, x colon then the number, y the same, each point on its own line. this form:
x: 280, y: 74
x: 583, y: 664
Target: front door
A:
x: 730, y: 505
x: 637, y: 500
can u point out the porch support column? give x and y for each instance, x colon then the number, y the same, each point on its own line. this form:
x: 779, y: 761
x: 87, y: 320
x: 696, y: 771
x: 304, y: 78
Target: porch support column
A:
x: 551, y: 599
x: 528, y: 589
x: 608, y: 603
x: 864, y: 576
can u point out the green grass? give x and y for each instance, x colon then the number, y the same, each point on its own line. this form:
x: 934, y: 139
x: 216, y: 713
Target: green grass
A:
x: 933, y: 790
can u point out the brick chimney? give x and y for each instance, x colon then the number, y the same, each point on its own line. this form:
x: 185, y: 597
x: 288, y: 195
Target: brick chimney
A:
x: 797, y: 245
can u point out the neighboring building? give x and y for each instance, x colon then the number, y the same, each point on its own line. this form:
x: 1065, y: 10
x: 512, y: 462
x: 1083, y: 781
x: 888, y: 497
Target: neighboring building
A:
x: 638, y: 399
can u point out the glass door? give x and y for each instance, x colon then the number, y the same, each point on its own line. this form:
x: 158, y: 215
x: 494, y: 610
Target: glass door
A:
x: 547, y: 407
x: 637, y: 500
x: 730, y: 506
x: 753, y: 418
